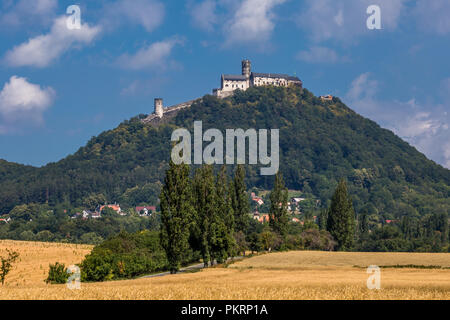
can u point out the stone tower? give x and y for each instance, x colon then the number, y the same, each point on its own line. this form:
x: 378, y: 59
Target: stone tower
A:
x: 246, y: 68
x: 159, y: 111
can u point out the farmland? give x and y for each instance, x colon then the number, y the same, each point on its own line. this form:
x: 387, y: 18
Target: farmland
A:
x: 287, y: 275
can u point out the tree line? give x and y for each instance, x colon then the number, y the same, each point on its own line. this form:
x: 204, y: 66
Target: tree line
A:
x: 210, y: 214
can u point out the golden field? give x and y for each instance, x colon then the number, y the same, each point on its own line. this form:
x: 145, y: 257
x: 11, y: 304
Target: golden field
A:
x: 290, y: 275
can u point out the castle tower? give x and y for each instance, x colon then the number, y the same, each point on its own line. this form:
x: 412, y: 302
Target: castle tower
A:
x: 159, y: 110
x: 246, y: 68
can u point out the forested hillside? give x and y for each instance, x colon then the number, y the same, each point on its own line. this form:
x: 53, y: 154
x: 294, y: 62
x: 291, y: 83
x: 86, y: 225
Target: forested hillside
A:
x: 320, y: 141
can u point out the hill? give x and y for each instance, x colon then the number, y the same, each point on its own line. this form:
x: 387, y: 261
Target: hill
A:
x: 320, y: 142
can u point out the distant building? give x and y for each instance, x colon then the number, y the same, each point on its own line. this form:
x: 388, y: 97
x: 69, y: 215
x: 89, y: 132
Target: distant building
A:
x: 96, y: 215
x: 146, y: 211
x: 115, y: 207
x: 6, y: 220
x: 327, y: 97
x: 258, y: 200
x: 230, y: 83
x: 297, y: 200
x: 263, y: 218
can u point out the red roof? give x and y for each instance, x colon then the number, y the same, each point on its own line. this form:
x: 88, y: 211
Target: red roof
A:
x: 115, y: 207
x: 149, y: 208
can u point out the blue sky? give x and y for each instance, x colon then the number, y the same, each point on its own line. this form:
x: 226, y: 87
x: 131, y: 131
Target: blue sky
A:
x: 59, y: 87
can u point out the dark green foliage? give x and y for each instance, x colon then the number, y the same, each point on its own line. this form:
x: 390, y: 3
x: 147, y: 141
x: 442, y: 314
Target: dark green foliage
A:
x: 270, y: 240
x: 177, y: 214
x: 341, y: 217
x: 314, y: 239
x: 239, y: 200
x: 241, y: 243
x: 278, y: 206
x: 57, y: 274
x: 206, y: 215
x: 225, y: 244
x: 425, y: 234
x: 41, y: 222
x: 125, y: 256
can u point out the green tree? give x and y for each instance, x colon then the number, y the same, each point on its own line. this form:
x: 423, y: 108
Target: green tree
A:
x: 241, y: 206
x: 278, y: 218
x: 176, y: 214
x: 223, y: 228
x: 7, y: 264
x: 92, y: 201
x: 341, y: 217
x: 205, y: 205
x: 323, y: 217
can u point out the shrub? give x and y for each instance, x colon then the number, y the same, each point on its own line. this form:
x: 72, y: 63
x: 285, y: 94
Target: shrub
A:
x: 57, y: 274
x: 125, y: 256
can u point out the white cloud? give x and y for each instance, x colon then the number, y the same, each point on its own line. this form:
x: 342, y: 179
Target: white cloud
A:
x: 42, y: 50
x: 146, y: 13
x: 433, y: 16
x: 344, y: 20
x: 204, y: 14
x: 317, y: 54
x: 424, y: 126
x: 22, y: 102
x: 17, y: 13
x: 252, y: 22
x: 152, y: 56
x: 362, y: 88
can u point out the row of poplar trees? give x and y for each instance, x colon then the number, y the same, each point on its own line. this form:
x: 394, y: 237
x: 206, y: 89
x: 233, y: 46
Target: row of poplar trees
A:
x: 202, y: 214
x: 207, y: 212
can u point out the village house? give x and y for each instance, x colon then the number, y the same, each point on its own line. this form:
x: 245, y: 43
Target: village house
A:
x: 328, y: 97
x: 115, y: 207
x: 258, y: 200
x: 5, y: 220
x: 145, y: 211
x: 297, y: 200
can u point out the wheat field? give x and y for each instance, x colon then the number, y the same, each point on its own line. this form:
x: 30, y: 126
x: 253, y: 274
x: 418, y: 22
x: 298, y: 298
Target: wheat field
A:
x: 289, y: 275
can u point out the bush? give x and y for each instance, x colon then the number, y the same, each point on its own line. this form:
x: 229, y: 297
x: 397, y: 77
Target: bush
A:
x: 57, y: 274
x: 125, y: 256
x: 270, y: 240
x: 318, y: 240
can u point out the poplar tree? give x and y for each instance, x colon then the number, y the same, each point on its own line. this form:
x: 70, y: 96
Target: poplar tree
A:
x: 341, y: 217
x: 240, y: 203
x: 176, y: 214
x: 205, y: 202
x: 278, y: 218
x: 223, y: 242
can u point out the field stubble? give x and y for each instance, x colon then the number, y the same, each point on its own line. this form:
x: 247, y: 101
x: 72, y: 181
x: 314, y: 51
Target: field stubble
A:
x: 290, y: 275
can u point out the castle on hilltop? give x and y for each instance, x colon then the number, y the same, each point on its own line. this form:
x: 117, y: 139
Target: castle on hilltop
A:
x: 248, y: 79
x: 229, y: 83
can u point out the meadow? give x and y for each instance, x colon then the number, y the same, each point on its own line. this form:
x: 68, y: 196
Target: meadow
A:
x: 286, y: 275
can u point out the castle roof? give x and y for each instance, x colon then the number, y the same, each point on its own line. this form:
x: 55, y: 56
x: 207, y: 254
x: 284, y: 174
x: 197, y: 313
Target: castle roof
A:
x: 275, y: 75
x: 234, y: 77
